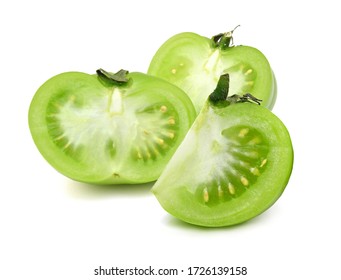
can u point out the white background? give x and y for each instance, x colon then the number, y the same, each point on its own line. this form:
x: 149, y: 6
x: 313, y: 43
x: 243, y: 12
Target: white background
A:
x: 54, y: 228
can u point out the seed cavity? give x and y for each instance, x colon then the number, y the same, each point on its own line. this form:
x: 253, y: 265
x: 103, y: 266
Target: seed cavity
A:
x: 231, y: 189
x: 220, y: 191
x: 171, y: 121
x: 248, y: 72
x: 255, y: 141
x: 67, y: 145
x: 147, y: 153
x: 170, y: 135
x: 243, y: 132
x: 205, y: 195
x: 255, y: 171
x: 244, y: 181
x: 60, y: 137
x: 160, y: 141
x: 243, y: 151
x: 264, y: 161
x: 163, y: 109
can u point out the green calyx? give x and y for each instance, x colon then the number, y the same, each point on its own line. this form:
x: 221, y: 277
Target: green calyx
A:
x: 115, y: 79
x: 219, y: 97
x: 224, y: 40
x: 222, y: 90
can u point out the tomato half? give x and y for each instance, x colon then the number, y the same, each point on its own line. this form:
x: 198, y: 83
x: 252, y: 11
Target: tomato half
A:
x: 109, y: 128
x: 195, y: 63
x: 233, y: 164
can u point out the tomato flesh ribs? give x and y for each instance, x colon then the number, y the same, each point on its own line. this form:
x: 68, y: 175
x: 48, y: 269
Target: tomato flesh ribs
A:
x: 97, y: 130
x: 233, y: 164
x: 195, y: 63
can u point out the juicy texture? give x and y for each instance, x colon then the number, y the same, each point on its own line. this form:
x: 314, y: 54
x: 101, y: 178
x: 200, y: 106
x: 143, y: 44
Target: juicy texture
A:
x: 191, y: 62
x: 102, y: 134
x: 233, y: 164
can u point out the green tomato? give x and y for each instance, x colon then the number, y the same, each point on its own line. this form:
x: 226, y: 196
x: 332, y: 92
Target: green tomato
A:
x: 109, y: 128
x: 233, y: 164
x: 194, y: 63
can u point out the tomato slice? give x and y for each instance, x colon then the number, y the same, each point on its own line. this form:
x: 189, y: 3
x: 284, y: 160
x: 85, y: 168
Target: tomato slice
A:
x: 195, y: 63
x: 233, y: 164
x: 97, y: 130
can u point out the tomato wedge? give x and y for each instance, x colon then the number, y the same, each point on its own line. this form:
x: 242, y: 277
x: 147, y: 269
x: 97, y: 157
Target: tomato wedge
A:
x: 109, y: 128
x: 233, y: 164
x: 195, y: 63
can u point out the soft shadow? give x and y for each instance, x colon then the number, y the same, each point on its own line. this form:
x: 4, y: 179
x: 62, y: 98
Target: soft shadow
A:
x: 263, y: 218
x: 89, y: 191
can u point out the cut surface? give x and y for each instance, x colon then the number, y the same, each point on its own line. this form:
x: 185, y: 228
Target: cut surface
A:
x: 109, y: 134
x: 233, y: 164
x: 111, y: 127
x: 190, y: 62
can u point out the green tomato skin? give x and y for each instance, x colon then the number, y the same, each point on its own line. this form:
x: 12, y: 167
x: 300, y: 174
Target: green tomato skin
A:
x: 194, y: 64
x: 197, y: 171
x: 94, y: 132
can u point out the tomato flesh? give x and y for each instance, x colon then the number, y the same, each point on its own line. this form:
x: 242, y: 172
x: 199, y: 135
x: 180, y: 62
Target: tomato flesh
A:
x: 104, y: 134
x: 194, y: 64
x: 233, y: 164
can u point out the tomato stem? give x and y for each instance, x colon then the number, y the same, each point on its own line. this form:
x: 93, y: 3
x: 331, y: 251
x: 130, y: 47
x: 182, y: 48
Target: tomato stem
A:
x: 220, y: 95
x: 118, y: 78
x: 222, y: 90
x: 224, y: 40
x: 247, y: 97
